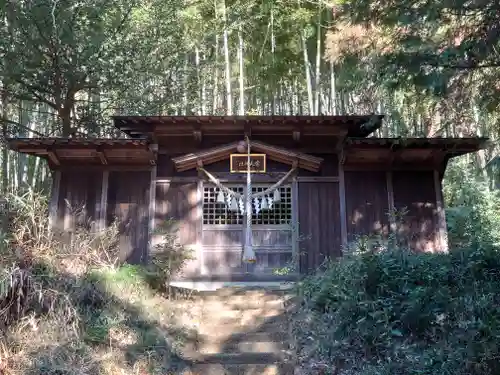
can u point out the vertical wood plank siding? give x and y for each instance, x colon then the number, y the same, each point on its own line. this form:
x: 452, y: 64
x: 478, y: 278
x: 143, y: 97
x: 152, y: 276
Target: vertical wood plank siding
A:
x: 178, y: 203
x: 319, y: 223
x: 415, y: 191
x: 54, y: 198
x: 367, y: 203
x: 128, y: 203
x: 79, y: 192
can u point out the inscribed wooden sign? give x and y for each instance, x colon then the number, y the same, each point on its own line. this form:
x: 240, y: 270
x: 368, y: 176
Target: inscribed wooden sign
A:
x: 239, y: 163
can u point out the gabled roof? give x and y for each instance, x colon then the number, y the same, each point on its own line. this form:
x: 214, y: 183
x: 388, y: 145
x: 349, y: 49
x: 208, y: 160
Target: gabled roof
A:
x: 304, y: 161
x: 349, y: 125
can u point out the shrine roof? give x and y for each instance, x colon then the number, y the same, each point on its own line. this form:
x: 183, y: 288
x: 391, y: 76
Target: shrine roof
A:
x: 349, y: 125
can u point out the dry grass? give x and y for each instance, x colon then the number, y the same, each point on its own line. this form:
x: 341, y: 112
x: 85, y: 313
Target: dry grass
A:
x: 68, y: 307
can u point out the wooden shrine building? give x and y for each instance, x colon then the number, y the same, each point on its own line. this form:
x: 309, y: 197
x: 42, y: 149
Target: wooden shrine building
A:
x: 343, y: 185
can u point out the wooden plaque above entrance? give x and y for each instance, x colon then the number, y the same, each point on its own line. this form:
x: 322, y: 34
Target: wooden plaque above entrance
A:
x: 239, y: 163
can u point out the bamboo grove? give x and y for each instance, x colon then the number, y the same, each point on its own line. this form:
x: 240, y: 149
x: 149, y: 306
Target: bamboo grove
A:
x: 66, y: 66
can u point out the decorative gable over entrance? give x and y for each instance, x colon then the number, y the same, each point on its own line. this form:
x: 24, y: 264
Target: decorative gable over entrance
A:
x: 279, y: 154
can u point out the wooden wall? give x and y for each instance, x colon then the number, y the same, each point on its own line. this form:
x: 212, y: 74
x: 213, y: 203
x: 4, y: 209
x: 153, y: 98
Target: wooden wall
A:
x: 97, y: 197
x: 78, y: 199
x: 370, y: 194
x: 319, y: 223
x: 128, y: 202
x: 177, y: 205
x: 366, y: 203
x: 415, y: 190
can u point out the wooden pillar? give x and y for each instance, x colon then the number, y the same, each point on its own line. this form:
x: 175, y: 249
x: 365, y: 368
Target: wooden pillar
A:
x: 442, y: 236
x: 151, y: 211
x: 54, y: 199
x: 103, y: 203
x: 390, y: 201
x: 295, y: 223
x: 199, y: 225
x: 68, y: 207
x: 342, y: 201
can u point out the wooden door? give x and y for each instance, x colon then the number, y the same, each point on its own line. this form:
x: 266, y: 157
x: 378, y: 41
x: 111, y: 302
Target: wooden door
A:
x: 224, y: 233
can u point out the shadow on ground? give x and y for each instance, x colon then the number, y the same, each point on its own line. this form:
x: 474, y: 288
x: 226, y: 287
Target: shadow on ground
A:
x: 113, y: 334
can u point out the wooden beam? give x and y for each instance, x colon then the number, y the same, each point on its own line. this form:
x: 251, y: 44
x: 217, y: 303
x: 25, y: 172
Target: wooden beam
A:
x: 296, y: 136
x: 54, y: 199
x: 386, y: 167
x: 247, y: 130
x: 342, y: 157
x: 442, y: 230
x: 342, y: 205
x: 125, y: 168
x: 317, y: 179
x: 53, y: 157
x: 197, y: 136
x: 437, y: 158
x: 102, y: 156
x: 103, y: 203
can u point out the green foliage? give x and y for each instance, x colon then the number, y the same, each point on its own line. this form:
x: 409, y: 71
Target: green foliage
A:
x: 397, y: 312
x: 473, y: 209
x: 70, y: 309
x: 437, y: 48
x: 168, y: 256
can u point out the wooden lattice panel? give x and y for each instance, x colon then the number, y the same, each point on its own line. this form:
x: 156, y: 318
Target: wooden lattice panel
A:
x: 215, y: 213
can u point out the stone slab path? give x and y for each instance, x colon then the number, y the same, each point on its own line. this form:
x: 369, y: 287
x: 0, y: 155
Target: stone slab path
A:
x: 241, y: 332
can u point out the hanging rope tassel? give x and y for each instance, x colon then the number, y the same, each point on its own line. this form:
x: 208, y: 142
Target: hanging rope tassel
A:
x: 248, y: 253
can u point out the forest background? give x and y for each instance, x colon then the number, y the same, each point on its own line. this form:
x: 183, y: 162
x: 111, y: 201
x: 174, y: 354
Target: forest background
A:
x: 431, y: 67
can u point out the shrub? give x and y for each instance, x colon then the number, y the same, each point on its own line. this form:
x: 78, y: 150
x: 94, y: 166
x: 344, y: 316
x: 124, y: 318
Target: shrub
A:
x: 168, y: 256
x: 473, y: 209
x: 68, y: 307
x: 397, y: 312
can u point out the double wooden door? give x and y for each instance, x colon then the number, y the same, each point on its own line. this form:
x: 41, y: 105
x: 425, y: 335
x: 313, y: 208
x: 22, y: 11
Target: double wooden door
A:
x: 223, y: 233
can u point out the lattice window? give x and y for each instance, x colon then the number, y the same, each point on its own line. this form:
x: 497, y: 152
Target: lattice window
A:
x: 219, y: 214
x: 280, y: 212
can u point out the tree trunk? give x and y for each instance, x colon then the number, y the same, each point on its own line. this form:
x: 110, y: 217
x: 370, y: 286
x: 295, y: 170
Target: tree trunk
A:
x: 242, y: 73
x: 229, y: 98
x: 5, y: 153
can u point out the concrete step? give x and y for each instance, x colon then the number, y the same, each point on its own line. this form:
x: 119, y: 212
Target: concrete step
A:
x: 219, y: 369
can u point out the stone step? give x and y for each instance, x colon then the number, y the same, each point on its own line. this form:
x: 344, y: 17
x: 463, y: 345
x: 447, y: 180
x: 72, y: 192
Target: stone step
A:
x: 233, y: 347
x: 217, y: 330
x: 246, y: 291
x: 237, y: 318
x: 252, y: 369
x: 275, y: 335
x: 263, y: 358
x: 245, y: 303
x: 254, y: 342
